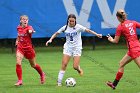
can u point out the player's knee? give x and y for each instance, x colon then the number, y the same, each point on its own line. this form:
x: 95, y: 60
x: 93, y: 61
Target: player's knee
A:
x: 18, y: 63
x: 64, y: 65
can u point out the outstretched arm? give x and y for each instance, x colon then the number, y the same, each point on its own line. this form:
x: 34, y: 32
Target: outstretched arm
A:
x: 52, y: 37
x: 93, y: 32
x: 113, y: 40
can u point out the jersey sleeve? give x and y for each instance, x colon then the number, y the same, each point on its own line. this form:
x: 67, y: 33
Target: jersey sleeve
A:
x: 118, y: 31
x: 82, y: 28
x: 18, y: 27
x: 137, y: 24
x: 62, y: 29
x: 30, y: 28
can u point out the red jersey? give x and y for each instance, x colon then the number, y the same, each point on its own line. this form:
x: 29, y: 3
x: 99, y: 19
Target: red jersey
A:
x: 24, y: 36
x: 128, y: 30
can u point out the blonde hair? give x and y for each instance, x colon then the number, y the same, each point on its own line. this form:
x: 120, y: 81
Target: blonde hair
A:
x: 24, y: 16
x: 121, y: 14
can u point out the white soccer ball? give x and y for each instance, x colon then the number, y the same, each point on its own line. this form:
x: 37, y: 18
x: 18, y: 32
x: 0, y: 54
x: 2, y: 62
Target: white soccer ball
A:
x: 70, y: 82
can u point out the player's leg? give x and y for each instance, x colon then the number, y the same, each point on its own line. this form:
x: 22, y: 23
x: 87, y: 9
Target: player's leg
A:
x: 61, y: 73
x: 136, y: 56
x: 30, y: 55
x: 38, y: 69
x: 76, y: 65
x: 19, y: 57
x: 137, y: 61
x: 125, y: 60
x: 76, y: 60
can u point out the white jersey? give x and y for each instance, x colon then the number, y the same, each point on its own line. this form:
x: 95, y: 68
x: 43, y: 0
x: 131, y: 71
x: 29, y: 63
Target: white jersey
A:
x: 73, y: 36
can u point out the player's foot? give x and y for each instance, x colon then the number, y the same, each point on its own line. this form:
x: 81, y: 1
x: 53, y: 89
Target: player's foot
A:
x: 43, y: 78
x: 110, y: 84
x: 18, y: 83
x: 59, y: 84
x: 81, y: 72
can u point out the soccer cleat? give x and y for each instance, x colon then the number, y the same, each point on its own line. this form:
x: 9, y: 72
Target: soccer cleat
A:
x: 110, y: 84
x: 81, y: 72
x: 59, y: 84
x: 19, y: 83
x: 43, y: 78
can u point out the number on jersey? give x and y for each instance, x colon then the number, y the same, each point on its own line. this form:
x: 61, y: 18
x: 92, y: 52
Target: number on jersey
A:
x: 71, y: 38
x: 131, y: 30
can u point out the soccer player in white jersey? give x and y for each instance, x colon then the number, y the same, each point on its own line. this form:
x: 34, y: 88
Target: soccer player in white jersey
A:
x: 72, y: 46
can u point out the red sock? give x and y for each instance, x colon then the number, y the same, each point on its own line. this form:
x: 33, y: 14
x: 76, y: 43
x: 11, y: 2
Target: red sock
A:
x: 119, y: 75
x: 39, y: 70
x: 19, y: 71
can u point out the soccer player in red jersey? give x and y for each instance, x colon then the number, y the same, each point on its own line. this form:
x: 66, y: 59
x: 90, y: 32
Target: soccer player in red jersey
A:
x: 127, y: 28
x: 25, y: 49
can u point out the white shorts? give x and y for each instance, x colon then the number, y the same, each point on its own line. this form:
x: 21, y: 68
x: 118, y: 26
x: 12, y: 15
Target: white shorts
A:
x: 72, y: 51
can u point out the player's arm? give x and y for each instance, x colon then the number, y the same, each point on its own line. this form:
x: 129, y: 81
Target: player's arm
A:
x: 31, y: 30
x: 17, y: 41
x: 137, y: 24
x: 52, y: 37
x: 113, y: 40
x: 94, y: 33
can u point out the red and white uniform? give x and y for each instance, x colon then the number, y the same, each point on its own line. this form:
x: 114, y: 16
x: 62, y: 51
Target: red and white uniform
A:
x: 24, y: 45
x: 128, y: 30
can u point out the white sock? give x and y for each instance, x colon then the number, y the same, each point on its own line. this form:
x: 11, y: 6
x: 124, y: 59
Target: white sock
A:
x: 60, y: 76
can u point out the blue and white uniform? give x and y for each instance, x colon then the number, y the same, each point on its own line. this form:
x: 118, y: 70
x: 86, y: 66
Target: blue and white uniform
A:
x: 73, y: 44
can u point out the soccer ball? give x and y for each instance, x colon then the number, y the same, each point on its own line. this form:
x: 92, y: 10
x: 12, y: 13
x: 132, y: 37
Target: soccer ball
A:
x: 70, y: 82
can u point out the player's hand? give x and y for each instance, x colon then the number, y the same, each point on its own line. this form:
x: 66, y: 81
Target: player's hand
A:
x: 109, y: 37
x: 99, y: 35
x: 49, y: 41
x: 16, y: 43
x: 31, y: 31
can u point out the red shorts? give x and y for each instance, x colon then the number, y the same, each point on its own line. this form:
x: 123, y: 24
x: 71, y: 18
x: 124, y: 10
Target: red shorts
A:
x: 134, y: 52
x: 28, y: 52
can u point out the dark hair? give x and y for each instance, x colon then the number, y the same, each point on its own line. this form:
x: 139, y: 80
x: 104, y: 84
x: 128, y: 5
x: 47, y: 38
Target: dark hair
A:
x: 121, y: 15
x: 70, y: 16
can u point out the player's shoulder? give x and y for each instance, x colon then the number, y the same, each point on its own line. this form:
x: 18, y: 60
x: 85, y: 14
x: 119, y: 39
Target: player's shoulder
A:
x: 19, y: 26
x: 131, y: 21
x: 119, y: 27
x: 29, y: 26
x: 79, y: 25
x: 64, y: 26
x: 135, y: 22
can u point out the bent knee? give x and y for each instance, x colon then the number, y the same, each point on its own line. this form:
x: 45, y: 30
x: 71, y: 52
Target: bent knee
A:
x: 64, y: 65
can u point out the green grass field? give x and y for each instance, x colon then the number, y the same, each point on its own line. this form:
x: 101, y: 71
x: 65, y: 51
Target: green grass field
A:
x: 99, y: 66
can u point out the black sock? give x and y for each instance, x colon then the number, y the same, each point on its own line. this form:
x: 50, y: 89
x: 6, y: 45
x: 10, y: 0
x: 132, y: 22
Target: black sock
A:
x: 115, y: 83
